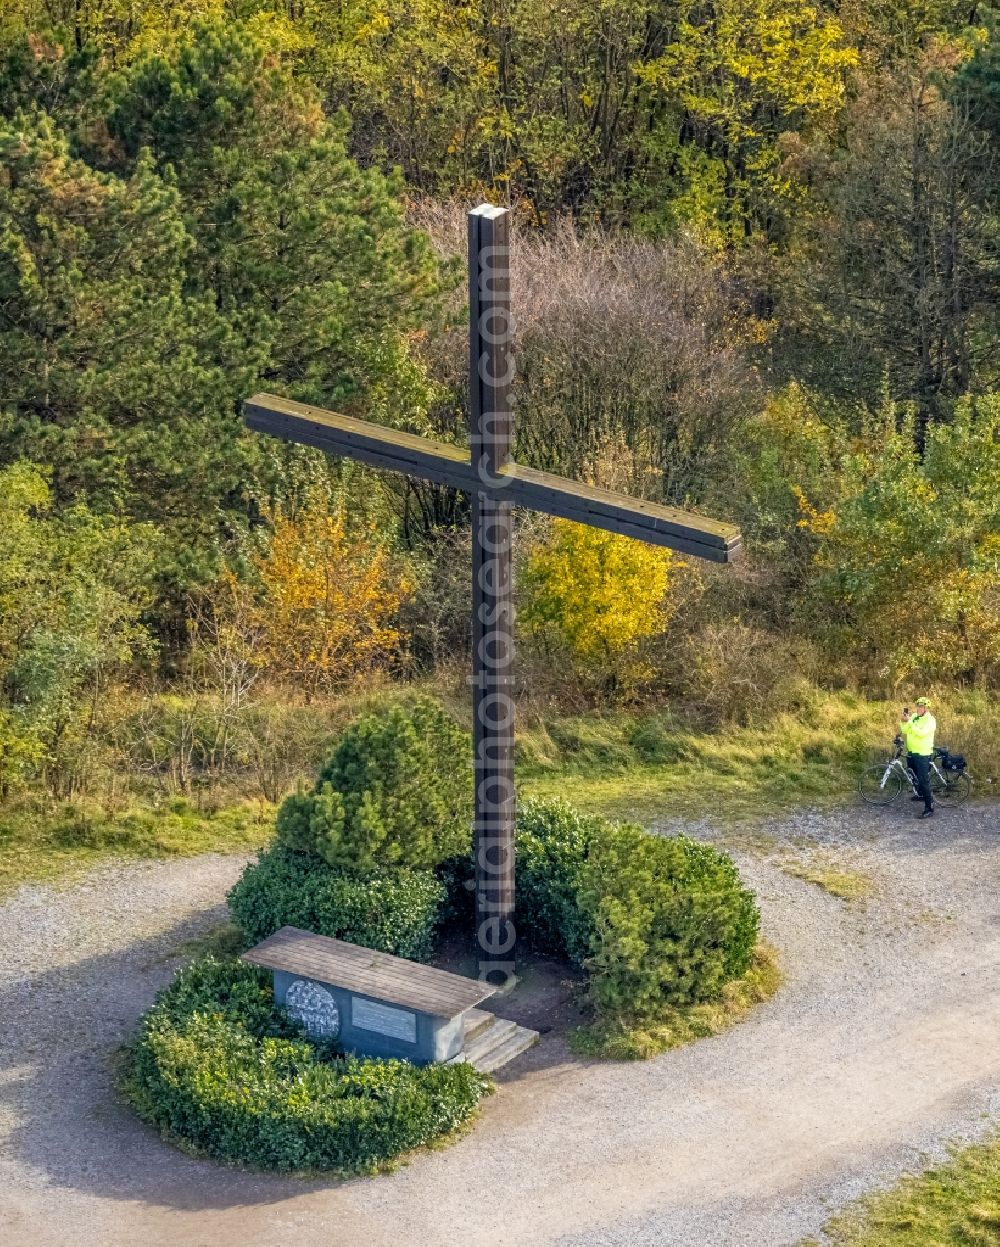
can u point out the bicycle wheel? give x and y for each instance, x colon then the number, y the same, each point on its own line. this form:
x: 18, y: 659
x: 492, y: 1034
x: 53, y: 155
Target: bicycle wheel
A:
x: 879, y: 785
x: 952, y: 790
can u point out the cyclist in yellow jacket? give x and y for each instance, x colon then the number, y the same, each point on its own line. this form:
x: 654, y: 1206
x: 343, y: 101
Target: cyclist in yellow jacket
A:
x: 917, y: 730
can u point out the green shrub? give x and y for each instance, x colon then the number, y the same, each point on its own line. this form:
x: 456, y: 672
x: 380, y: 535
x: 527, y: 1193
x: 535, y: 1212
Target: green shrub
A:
x: 219, y: 1068
x: 458, y: 878
x: 657, y: 743
x: 672, y: 921
x: 228, y: 989
x: 656, y: 921
x: 397, y: 791
x: 394, y: 911
x: 552, y: 843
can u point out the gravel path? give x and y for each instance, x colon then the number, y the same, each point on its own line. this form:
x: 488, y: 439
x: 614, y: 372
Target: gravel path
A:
x: 884, y: 1044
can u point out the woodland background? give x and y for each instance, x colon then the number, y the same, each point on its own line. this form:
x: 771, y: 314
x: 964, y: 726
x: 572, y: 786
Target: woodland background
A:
x: 757, y: 266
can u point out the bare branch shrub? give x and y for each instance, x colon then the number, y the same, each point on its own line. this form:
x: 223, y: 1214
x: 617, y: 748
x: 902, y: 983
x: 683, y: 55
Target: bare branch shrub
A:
x: 437, y: 619
x: 618, y: 339
x: 733, y: 672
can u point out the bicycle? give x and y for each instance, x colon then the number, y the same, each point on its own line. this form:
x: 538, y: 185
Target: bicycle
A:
x: 950, y: 783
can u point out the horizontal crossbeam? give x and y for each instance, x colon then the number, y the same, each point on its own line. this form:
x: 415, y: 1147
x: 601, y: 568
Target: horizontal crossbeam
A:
x: 358, y: 439
x: 444, y: 464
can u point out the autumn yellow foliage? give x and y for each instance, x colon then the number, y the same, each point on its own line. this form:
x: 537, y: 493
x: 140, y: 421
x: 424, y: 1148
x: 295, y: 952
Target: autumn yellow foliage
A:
x: 329, y: 600
x: 598, y: 595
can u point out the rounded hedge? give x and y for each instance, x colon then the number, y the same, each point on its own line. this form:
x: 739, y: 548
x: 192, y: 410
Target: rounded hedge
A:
x: 396, y: 792
x: 654, y: 920
x: 217, y: 1067
x: 394, y: 911
x: 552, y: 840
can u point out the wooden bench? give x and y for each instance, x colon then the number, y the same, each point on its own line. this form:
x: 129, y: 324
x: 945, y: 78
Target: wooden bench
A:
x: 372, y: 1003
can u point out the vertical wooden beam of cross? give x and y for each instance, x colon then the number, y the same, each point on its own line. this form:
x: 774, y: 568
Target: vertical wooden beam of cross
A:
x: 491, y: 367
x: 495, y: 484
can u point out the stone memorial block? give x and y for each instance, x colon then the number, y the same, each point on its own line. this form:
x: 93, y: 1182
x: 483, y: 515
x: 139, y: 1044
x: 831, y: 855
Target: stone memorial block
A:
x: 371, y: 1003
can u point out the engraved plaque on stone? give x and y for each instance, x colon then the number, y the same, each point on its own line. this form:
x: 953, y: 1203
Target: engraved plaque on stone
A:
x: 314, y: 1008
x: 385, y: 1020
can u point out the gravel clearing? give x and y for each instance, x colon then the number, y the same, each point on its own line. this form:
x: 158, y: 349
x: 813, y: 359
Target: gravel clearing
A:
x: 883, y: 1046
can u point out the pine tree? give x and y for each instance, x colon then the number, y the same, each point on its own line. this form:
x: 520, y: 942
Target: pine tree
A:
x: 114, y: 375
x: 305, y: 253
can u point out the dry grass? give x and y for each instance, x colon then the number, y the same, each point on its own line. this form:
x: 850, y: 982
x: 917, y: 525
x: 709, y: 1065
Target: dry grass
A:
x: 651, y: 766
x: 627, y: 1039
x: 956, y: 1204
x: 645, y: 766
x: 826, y: 872
x: 38, y: 843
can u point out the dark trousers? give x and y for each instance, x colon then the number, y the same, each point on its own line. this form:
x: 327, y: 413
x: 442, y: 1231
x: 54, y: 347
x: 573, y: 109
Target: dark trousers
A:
x: 921, y: 767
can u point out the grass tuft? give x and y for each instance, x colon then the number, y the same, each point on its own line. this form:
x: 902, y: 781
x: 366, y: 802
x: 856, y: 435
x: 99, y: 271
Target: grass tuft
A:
x: 956, y: 1204
x: 224, y: 942
x: 852, y: 886
x: 39, y: 843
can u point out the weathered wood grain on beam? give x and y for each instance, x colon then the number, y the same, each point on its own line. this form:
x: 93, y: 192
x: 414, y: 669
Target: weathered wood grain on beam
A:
x: 445, y: 464
x: 375, y: 444
x: 618, y: 513
x: 605, y: 501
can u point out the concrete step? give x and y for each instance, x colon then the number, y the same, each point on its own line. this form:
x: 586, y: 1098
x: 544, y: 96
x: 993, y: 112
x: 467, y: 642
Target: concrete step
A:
x: 521, y: 1040
x: 493, y: 1042
x: 476, y: 1021
x: 487, y: 1040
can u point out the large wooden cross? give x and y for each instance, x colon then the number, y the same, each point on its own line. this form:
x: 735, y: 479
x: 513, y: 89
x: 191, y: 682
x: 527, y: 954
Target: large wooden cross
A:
x: 495, y: 484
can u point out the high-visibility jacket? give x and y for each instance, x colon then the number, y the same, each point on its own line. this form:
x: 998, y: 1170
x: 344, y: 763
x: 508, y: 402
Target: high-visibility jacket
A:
x: 918, y: 732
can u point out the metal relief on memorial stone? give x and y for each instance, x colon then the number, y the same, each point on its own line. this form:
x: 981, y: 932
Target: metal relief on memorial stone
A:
x: 314, y: 1008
